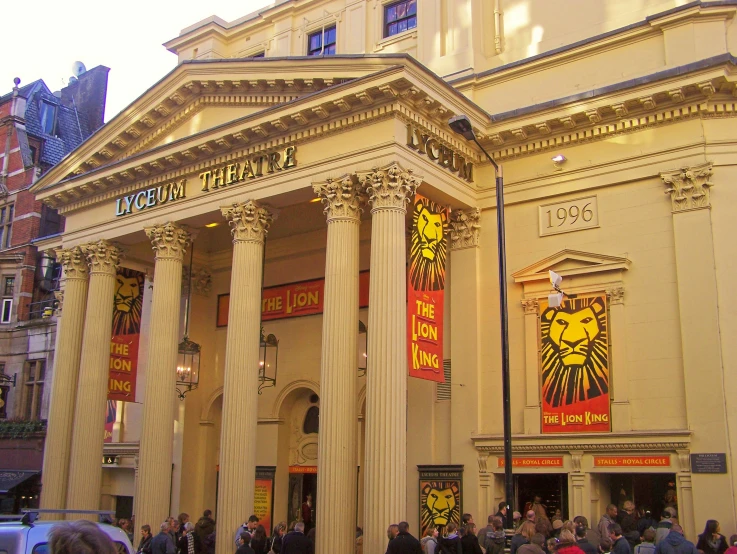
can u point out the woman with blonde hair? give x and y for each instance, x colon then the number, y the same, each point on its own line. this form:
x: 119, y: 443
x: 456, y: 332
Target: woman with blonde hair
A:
x: 522, y: 536
x: 567, y: 543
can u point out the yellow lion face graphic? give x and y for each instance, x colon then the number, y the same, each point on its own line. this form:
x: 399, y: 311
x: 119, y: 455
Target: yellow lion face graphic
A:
x: 440, y: 501
x: 128, y: 302
x: 429, y: 245
x: 575, y: 364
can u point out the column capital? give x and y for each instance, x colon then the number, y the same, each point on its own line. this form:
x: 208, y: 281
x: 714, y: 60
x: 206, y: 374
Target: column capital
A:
x: 343, y: 198
x: 102, y: 256
x: 616, y: 295
x: 249, y: 222
x: 74, y: 262
x: 465, y: 228
x: 169, y: 241
x: 531, y: 306
x: 390, y: 187
x: 689, y: 187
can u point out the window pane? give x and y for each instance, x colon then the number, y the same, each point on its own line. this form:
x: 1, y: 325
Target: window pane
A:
x: 330, y: 36
x: 39, y: 396
x: 8, y: 233
x: 402, y: 26
x: 10, y: 212
x: 9, y: 286
x: 401, y: 10
x: 28, y: 408
x: 329, y: 50
x: 2, y: 215
x: 391, y: 14
x: 315, y: 42
x: 392, y: 29
x: 412, y: 22
x: 41, y: 370
x: 7, y: 307
x: 412, y: 8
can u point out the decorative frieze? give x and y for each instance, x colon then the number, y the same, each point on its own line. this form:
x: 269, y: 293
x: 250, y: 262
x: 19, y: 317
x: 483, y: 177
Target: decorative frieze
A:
x: 689, y: 187
x: 342, y: 197
x: 248, y: 221
x: 102, y: 256
x: 390, y: 187
x: 168, y: 241
x: 465, y: 228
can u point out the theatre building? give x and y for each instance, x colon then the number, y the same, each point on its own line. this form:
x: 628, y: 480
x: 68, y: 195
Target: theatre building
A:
x: 296, y: 259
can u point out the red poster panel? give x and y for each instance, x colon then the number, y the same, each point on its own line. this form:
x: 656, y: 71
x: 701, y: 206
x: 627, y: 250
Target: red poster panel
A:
x: 293, y: 300
x: 263, y: 497
x: 126, y: 335
x: 575, y: 365
x: 426, y: 290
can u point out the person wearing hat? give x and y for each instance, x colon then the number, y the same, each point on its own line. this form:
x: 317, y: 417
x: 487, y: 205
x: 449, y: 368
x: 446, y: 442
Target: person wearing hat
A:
x: 557, y: 526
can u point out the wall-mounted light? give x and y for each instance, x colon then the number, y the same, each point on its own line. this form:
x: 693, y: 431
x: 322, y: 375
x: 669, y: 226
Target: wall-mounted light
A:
x: 211, y: 225
x: 558, y: 161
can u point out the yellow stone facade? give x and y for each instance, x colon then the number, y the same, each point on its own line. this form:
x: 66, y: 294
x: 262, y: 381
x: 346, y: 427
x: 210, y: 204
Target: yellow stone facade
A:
x: 635, y: 100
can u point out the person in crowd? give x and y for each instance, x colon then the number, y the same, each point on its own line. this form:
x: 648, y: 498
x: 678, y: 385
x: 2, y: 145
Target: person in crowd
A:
x: 550, y: 545
x: 619, y: 542
x: 429, y: 542
x: 544, y: 527
x: 567, y: 543
x: 609, y: 517
x: 259, y: 540
x: 359, y: 540
x: 451, y: 541
x: 675, y: 543
x: 163, y: 542
x: 182, y: 520
x: 307, y: 512
x: 469, y: 541
x: 530, y: 516
x: 664, y: 525
x: 541, y: 511
x: 671, y: 498
x: 295, y: 542
x: 404, y: 542
x: 189, y: 542
x: 583, y: 542
x: 173, y: 529
x: 647, y: 542
x: 492, y: 537
x: 646, y: 520
x: 248, y: 527
x: 79, y: 537
x: 522, y: 536
x: 517, y: 519
x: 711, y: 541
x: 205, y: 525
x: 125, y: 525
x: 502, y: 511
x: 465, y: 520
x: 605, y: 545
x: 627, y: 518
x: 209, y: 543
x: 732, y: 545
x: 392, y: 531
x: 311, y: 536
x: 557, y: 526
x: 592, y: 535
x: 244, y: 546
x: 558, y: 515
x: 535, y: 546
x: 144, y: 546
x: 277, y: 536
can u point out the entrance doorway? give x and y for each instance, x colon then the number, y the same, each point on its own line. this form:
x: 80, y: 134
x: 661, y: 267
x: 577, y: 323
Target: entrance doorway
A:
x: 649, y: 491
x: 551, y: 487
x: 303, y: 488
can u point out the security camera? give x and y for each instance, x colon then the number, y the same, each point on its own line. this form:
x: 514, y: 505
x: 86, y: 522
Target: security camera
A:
x: 555, y: 279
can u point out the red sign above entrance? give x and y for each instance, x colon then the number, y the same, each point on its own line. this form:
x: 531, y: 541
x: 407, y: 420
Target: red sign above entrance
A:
x: 303, y: 469
x: 631, y: 461
x: 555, y: 461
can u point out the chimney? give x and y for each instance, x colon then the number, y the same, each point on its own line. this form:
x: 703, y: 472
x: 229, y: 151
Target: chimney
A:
x: 88, y: 94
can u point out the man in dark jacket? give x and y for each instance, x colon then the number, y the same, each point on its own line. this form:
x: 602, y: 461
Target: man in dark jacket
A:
x: 583, y: 543
x: 675, y: 543
x: 205, y: 525
x: 492, y: 537
x: 163, y: 543
x: 295, y: 542
x: 404, y: 543
x: 619, y: 543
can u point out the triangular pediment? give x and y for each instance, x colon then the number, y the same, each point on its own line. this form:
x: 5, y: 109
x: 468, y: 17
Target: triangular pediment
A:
x: 569, y: 263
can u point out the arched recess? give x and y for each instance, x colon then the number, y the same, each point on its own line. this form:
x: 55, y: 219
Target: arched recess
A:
x: 284, y: 393
x: 207, y: 406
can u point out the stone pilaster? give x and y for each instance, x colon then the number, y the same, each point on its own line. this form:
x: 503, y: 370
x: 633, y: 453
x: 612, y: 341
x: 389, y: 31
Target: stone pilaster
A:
x: 64, y: 385
x: 85, y: 467
x: 169, y: 243
x: 249, y: 225
x: 338, y: 371
x: 385, y: 477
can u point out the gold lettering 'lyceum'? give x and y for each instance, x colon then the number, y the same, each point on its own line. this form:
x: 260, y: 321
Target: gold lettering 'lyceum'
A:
x: 439, y: 153
x: 150, y: 197
x: 235, y: 172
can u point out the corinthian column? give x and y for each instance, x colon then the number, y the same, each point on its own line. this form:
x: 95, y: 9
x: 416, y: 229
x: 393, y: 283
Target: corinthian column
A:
x: 64, y: 384
x: 336, y: 461
x: 385, y: 481
x: 85, y: 467
x: 249, y: 224
x: 169, y: 242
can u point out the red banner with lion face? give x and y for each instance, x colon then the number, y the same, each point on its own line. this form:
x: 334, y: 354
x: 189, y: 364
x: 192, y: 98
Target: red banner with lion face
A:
x: 426, y: 289
x: 126, y: 335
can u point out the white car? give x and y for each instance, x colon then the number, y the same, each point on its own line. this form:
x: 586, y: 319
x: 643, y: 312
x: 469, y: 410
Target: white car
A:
x: 24, y: 537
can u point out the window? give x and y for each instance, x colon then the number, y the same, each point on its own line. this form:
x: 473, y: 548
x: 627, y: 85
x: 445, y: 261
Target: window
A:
x: 9, y: 286
x: 311, y: 423
x: 322, y: 43
x: 33, y: 389
x: 399, y: 17
x: 6, y: 311
x: 48, y: 118
x: 6, y: 225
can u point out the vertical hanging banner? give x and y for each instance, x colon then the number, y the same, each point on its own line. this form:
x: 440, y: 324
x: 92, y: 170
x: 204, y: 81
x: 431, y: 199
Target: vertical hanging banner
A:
x: 575, y: 365
x: 263, y: 497
x: 426, y: 289
x: 126, y: 335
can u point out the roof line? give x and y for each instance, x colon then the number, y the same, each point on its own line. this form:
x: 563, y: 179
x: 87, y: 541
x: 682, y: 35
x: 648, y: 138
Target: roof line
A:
x: 630, y: 83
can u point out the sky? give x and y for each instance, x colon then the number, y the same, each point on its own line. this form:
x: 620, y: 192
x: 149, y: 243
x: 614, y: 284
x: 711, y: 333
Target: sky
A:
x: 126, y: 36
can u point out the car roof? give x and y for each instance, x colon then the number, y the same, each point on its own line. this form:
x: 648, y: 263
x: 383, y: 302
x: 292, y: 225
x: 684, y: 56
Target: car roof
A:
x: 39, y: 531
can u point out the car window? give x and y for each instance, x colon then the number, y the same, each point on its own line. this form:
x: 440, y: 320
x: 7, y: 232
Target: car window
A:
x: 41, y: 548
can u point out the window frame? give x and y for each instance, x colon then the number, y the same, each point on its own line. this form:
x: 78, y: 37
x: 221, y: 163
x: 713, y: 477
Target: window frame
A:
x: 9, y: 303
x: 48, y: 107
x: 33, y: 386
x: 6, y: 226
x: 386, y: 23
x: 321, y: 32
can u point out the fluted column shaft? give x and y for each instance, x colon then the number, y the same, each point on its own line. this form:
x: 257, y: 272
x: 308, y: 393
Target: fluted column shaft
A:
x: 85, y: 467
x: 249, y: 225
x: 69, y: 330
x: 336, y: 462
x: 385, y: 477
x: 169, y: 242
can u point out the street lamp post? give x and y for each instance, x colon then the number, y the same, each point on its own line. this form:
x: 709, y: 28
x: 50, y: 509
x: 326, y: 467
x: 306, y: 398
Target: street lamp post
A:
x: 462, y: 125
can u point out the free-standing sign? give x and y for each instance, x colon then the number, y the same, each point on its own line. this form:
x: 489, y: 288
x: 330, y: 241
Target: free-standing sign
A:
x: 426, y: 290
x: 575, y: 365
x: 263, y: 496
x: 441, y: 496
x: 708, y: 463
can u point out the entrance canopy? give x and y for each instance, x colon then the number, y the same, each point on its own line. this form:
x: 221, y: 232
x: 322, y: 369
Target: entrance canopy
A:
x: 11, y: 479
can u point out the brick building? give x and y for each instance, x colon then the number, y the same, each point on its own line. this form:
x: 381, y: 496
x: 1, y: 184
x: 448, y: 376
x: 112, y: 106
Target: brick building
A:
x: 38, y: 128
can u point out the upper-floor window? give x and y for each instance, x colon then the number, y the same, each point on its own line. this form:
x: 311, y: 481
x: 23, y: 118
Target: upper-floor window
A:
x: 259, y: 55
x: 48, y: 118
x: 322, y: 42
x: 399, y: 17
x: 6, y: 225
x: 33, y: 389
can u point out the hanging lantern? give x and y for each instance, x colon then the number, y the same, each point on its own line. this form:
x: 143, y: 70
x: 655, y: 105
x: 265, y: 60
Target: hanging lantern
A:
x: 188, y: 357
x: 362, y: 348
x: 267, y: 364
